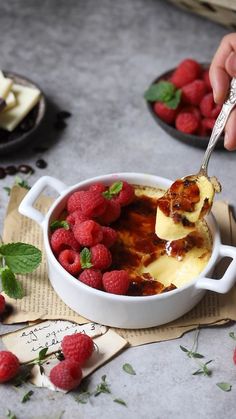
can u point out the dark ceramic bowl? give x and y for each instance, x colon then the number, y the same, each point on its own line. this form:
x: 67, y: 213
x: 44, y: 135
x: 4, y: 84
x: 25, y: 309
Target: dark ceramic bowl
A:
x: 193, y: 140
x: 25, y: 131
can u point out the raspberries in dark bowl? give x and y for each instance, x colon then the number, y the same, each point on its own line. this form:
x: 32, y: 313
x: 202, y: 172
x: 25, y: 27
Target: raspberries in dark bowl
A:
x: 181, y: 102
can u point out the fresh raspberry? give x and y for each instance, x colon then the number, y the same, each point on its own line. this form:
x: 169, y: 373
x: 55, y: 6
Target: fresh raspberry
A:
x: 77, y: 347
x: 193, y: 92
x: 93, y: 204
x: 208, y: 123
x: 206, y: 79
x: 76, y: 217
x: 2, y: 304
x: 166, y: 114
x: 70, y: 260
x: 186, y: 72
x: 192, y: 109
x: 63, y: 239
x: 74, y: 201
x: 126, y: 195
x: 202, y: 130
x: 111, y: 213
x: 100, y: 257
x: 116, y: 282
x: 66, y: 375
x: 88, y: 233
x: 208, y: 107
x: 234, y: 356
x: 9, y: 366
x: 187, y: 122
x: 98, y: 187
x: 92, y: 278
x: 109, y: 236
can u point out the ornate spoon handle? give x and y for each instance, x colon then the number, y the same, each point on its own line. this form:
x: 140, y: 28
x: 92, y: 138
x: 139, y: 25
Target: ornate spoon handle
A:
x: 219, y: 124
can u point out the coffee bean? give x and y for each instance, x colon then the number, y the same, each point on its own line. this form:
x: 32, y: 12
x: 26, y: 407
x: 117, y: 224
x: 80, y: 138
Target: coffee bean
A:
x: 41, y: 164
x: 25, y: 168
x: 2, y: 173
x: 11, y: 170
x: 63, y: 114
x: 60, y: 124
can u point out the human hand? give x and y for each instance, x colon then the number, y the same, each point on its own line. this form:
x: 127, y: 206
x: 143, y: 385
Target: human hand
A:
x: 222, y: 69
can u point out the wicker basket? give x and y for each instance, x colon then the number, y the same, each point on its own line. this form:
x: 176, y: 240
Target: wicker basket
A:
x: 221, y: 11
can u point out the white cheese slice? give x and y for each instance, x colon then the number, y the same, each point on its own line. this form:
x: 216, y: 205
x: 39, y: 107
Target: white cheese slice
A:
x: 5, y: 85
x: 10, y: 101
x: 26, y: 99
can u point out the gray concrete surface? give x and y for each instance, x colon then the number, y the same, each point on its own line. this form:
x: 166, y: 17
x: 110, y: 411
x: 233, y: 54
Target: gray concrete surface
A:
x: 96, y: 59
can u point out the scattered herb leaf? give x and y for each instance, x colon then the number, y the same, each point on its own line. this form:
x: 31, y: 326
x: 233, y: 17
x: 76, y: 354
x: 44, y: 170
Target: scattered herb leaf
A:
x: 23, y: 377
x: 22, y: 183
x: 10, y: 414
x: 120, y: 401
x: 59, y: 224
x: 129, y: 369
x: 103, y: 387
x: 27, y: 396
x: 232, y: 335
x: 204, y: 370
x: 190, y: 353
x: 85, y: 258
x: 7, y: 189
x: 224, y: 386
x: 83, y: 397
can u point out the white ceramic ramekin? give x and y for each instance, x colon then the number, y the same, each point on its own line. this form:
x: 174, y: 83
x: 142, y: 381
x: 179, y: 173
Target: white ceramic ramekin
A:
x: 125, y: 311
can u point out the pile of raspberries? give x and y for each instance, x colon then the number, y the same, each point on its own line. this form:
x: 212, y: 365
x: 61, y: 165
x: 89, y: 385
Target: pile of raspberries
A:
x: 82, y: 246
x: 196, y: 111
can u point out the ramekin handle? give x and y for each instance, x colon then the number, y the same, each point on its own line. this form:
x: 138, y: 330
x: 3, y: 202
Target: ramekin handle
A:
x: 224, y: 284
x: 26, y: 206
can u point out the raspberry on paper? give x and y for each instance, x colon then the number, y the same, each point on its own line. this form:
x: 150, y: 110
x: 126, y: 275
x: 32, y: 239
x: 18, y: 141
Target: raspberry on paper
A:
x: 66, y: 375
x: 88, y: 233
x: 63, y: 239
x: 70, y: 260
x: 9, y: 366
x: 116, y: 282
x: 92, y: 278
x: 78, y: 347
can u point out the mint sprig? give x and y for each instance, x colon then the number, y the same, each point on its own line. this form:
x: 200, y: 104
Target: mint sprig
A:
x: 59, y: 224
x: 85, y: 258
x: 17, y: 258
x: 165, y: 92
x: 113, y: 190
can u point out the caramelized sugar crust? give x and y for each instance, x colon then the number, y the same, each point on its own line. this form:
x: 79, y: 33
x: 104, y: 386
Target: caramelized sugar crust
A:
x: 137, y: 244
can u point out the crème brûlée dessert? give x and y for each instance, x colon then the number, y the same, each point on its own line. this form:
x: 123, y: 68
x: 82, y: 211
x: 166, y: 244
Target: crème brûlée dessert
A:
x: 155, y: 264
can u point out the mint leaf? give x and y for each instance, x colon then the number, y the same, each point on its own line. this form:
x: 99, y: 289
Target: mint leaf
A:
x: 103, y: 387
x: 173, y: 103
x: 85, y: 258
x: 183, y: 348
x: 21, y: 258
x: 120, y: 401
x: 224, y: 386
x: 10, y: 285
x: 113, y: 190
x: 163, y: 91
x: 59, y: 224
x: 232, y: 335
x: 27, y: 396
x: 129, y: 369
x: 42, y: 354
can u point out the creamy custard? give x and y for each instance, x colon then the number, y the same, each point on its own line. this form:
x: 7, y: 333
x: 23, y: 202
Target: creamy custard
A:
x: 182, y: 206
x: 156, y: 265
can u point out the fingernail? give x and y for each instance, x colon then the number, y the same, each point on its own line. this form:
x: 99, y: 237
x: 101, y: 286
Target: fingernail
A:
x: 214, y: 95
x: 226, y: 140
